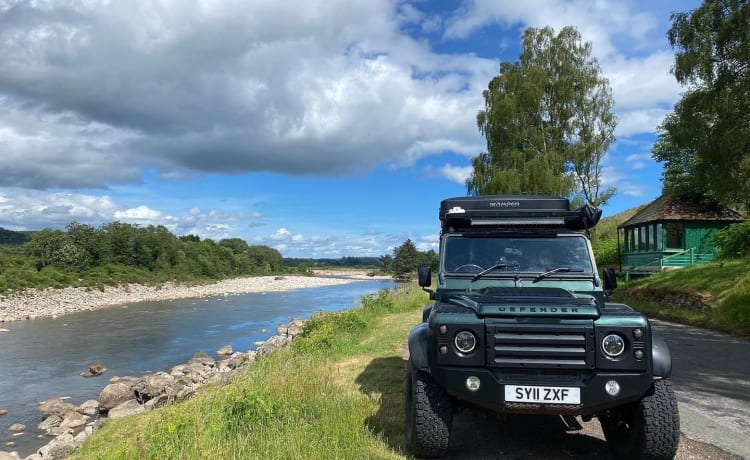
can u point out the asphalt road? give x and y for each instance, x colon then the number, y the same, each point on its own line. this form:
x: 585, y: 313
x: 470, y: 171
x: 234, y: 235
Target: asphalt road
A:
x: 711, y: 377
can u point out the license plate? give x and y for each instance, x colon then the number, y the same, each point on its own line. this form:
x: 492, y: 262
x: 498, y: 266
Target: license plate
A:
x: 545, y: 395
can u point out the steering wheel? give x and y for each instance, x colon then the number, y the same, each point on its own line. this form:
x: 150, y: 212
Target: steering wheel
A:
x: 468, y: 268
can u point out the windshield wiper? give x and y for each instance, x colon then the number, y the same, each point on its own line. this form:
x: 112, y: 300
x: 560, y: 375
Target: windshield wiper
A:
x: 556, y: 270
x: 487, y: 270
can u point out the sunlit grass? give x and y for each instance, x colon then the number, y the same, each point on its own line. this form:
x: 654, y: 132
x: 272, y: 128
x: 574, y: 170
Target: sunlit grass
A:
x: 335, y: 394
x: 722, y: 285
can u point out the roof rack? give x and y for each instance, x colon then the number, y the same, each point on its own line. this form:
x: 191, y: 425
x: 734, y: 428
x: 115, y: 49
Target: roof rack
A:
x: 515, y: 211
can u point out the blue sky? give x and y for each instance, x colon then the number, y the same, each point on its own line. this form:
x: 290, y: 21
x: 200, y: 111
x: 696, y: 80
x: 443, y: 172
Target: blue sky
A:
x: 321, y: 128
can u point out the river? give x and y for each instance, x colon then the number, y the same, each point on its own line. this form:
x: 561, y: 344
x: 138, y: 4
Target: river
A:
x: 43, y: 358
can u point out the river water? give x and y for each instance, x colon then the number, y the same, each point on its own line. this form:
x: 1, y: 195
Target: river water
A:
x: 43, y: 358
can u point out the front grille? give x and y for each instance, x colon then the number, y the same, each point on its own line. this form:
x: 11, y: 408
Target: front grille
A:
x: 540, y: 346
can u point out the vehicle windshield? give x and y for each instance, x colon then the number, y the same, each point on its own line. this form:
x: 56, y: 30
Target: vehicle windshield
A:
x: 472, y: 255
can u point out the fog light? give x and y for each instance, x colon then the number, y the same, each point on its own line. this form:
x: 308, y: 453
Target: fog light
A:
x: 443, y: 349
x: 638, y: 333
x: 638, y: 354
x: 472, y: 383
x: 612, y: 388
x: 443, y: 329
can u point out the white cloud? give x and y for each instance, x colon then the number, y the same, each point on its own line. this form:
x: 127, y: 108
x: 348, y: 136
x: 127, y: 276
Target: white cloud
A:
x: 639, y: 160
x: 139, y: 213
x: 640, y: 121
x: 224, y: 87
x: 457, y: 174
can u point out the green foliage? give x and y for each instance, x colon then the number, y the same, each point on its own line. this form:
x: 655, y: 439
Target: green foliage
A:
x: 705, y: 143
x: 406, y: 258
x: 124, y: 253
x: 11, y: 237
x: 548, y: 121
x: 733, y: 242
x: 733, y: 312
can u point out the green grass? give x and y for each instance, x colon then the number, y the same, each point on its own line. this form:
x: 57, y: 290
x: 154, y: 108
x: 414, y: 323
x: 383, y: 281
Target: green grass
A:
x: 337, y: 393
x: 721, y: 286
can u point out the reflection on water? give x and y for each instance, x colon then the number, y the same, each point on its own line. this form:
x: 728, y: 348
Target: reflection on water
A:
x: 43, y: 358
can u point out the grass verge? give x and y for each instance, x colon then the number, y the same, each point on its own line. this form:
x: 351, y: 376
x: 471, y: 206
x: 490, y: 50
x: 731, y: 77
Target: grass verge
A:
x: 715, y: 295
x: 336, y: 393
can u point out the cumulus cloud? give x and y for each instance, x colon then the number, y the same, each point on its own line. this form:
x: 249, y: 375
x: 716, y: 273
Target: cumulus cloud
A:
x: 107, y: 88
x: 458, y: 174
x: 34, y: 210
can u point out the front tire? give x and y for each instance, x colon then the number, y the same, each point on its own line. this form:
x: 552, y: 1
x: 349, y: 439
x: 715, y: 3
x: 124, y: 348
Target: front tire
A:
x: 648, y: 429
x: 429, y: 413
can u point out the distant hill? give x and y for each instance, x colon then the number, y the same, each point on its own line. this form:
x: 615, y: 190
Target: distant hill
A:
x: 11, y: 237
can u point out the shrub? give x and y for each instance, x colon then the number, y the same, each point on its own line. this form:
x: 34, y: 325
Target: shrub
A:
x: 733, y: 241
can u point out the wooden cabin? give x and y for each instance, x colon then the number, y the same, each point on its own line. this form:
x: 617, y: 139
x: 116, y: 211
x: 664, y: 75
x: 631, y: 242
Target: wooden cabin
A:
x: 671, y: 232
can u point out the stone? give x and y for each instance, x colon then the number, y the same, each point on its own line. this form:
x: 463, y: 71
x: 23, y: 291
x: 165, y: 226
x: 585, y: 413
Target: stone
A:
x: 156, y: 402
x: 152, y: 385
x: 128, y: 380
x: 55, y: 406
x: 272, y: 344
x: 17, y: 428
x: 90, y: 408
x: 202, y: 358
x: 73, y: 420
x: 113, y: 395
x: 130, y: 407
x: 58, y: 449
x: 94, y: 370
x: 225, y: 350
x: 59, y: 431
x: 9, y: 455
x: 3, y: 412
x: 50, y: 422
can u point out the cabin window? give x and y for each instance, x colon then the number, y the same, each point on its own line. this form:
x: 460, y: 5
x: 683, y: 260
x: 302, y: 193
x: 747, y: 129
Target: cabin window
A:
x: 644, y: 239
x: 659, y: 242
x: 675, y: 235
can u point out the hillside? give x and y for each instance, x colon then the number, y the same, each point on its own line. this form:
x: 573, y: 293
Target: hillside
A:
x: 12, y: 237
x: 714, y: 295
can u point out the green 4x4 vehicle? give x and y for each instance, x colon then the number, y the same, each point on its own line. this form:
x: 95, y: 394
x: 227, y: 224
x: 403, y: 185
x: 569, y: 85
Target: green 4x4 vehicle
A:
x: 521, y: 322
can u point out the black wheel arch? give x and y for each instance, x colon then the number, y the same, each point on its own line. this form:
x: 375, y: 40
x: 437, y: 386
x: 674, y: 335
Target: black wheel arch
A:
x: 418, y: 347
x: 661, y: 357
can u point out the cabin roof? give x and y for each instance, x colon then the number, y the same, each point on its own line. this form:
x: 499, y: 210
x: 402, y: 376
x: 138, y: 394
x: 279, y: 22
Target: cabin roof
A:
x: 675, y: 208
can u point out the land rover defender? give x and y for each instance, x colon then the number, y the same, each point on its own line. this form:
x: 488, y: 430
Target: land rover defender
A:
x: 521, y: 322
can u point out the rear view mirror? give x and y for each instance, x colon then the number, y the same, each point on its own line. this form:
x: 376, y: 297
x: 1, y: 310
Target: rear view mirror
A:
x: 424, y: 275
x: 610, y: 279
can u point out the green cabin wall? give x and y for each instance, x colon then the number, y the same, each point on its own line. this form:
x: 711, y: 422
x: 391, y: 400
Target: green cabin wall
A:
x: 696, y: 234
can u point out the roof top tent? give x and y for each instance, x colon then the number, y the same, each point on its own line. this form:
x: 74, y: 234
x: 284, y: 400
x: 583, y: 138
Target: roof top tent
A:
x: 671, y: 232
x: 515, y: 211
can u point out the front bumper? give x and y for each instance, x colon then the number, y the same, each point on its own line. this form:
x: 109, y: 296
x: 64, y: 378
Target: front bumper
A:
x: 593, y: 396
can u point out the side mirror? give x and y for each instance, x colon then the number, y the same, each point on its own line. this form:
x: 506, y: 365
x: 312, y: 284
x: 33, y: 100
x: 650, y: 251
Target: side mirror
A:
x: 610, y: 279
x: 424, y: 275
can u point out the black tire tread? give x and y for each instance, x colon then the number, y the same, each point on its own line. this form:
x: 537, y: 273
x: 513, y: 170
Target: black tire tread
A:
x: 432, y: 415
x: 654, y: 432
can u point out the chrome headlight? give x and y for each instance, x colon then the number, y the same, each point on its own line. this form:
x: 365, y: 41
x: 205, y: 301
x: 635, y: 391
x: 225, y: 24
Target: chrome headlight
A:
x: 465, y: 341
x: 613, y: 345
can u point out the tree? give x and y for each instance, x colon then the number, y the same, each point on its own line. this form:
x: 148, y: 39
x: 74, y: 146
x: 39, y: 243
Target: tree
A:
x: 548, y: 121
x: 406, y: 258
x: 705, y: 143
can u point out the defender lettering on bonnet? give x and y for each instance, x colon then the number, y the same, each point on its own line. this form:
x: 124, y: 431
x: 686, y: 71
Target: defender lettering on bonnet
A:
x: 519, y: 323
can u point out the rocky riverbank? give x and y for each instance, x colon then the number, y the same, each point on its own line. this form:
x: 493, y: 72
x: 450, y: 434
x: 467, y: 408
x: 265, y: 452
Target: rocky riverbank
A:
x: 38, y: 303
x: 69, y: 424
